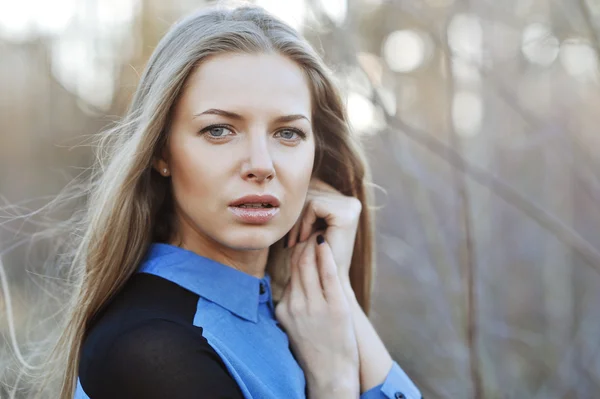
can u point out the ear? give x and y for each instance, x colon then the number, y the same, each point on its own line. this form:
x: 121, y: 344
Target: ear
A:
x: 161, y: 165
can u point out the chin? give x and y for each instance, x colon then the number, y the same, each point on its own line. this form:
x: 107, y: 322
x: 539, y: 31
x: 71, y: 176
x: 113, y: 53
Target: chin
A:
x: 252, y: 241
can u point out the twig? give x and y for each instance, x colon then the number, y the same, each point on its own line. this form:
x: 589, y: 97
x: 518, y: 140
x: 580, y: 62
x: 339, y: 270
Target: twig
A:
x: 467, y: 251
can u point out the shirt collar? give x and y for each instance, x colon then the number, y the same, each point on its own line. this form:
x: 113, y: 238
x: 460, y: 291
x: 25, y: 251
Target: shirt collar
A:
x: 229, y: 288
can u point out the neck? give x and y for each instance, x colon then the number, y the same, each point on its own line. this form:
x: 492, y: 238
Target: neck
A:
x: 249, y: 261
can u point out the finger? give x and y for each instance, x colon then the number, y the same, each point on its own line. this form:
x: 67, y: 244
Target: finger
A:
x: 294, y: 285
x: 332, y: 288
x: 286, y: 292
x: 296, y: 252
x: 293, y: 234
x: 308, y: 220
x: 309, y: 275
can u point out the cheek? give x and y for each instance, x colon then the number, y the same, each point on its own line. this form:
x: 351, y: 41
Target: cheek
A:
x: 296, y: 168
x: 195, y: 177
x: 294, y: 175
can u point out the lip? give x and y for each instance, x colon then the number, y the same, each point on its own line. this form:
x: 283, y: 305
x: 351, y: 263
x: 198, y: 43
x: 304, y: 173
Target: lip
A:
x: 254, y: 215
x: 256, y: 199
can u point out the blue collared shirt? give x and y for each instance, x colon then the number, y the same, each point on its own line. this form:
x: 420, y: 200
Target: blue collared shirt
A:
x: 237, y: 316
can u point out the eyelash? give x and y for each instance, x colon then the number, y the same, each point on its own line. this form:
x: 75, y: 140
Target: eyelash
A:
x: 300, y: 132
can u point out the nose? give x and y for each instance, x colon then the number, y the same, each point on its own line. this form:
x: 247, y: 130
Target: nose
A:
x: 259, y: 164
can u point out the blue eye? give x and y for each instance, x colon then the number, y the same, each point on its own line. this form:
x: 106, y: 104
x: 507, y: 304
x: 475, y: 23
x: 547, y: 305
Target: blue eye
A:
x: 219, y: 132
x: 290, y: 134
x: 216, y: 131
x: 288, y: 131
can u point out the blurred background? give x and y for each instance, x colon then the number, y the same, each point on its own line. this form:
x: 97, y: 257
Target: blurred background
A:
x: 480, y: 120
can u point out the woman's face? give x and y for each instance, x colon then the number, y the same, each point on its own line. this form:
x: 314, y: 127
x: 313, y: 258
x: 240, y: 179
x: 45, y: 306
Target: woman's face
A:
x: 242, y: 127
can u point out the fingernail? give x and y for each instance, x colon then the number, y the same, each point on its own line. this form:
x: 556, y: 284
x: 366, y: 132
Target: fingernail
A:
x: 320, y: 239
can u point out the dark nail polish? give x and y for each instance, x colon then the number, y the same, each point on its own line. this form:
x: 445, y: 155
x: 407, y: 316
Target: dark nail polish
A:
x: 320, y: 239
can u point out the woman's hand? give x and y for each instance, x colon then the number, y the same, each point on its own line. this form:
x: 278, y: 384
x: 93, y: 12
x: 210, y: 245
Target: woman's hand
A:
x: 317, y: 318
x: 341, y: 214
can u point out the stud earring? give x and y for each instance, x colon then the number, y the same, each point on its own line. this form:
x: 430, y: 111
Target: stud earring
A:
x: 165, y: 170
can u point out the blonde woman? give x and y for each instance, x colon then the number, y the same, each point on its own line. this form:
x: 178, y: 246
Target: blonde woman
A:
x: 228, y: 242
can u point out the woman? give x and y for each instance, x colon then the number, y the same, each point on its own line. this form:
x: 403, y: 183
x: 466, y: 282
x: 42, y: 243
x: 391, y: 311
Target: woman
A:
x: 231, y: 186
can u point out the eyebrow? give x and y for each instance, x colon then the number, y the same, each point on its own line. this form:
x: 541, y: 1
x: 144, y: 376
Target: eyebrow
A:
x: 233, y: 115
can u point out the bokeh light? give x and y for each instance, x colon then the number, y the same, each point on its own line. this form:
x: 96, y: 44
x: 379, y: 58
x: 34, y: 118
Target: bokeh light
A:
x: 336, y: 10
x: 404, y: 50
x: 22, y: 20
x: 291, y: 11
x: 539, y: 45
x: 361, y: 112
x: 579, y: 59
x: 467, y: 113
x: 465, y: 37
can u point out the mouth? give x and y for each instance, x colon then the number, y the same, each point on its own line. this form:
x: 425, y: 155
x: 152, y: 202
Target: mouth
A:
x: 255, y: 206
x: 256, y: 201
x: 254, y: 213
x: 255, y: 209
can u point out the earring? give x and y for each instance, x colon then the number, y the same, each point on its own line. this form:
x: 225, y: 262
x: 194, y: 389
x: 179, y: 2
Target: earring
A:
x: 165, y: 170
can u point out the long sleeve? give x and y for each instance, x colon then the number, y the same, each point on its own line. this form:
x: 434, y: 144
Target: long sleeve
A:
x: 159, y: 359
x: 397, y: 385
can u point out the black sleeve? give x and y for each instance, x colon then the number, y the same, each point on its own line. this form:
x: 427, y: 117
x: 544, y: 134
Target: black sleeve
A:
x: 160, y: 359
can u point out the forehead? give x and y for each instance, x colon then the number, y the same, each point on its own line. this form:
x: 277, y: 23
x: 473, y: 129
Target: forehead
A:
x: 248, y: 82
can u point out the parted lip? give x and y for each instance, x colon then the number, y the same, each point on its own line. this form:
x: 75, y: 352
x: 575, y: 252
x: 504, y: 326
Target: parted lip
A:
x: 256, y: 199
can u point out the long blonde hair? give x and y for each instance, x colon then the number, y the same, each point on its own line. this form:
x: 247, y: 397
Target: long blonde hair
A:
x: 128, y: 205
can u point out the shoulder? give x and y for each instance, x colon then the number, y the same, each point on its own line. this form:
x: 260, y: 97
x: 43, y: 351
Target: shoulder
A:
x: 158, y: 358
x: 145, y: 344
x: 147, y: 296
x: 143, y: 300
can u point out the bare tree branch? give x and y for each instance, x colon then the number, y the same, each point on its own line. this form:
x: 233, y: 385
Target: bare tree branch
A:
x: 428, y: 140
